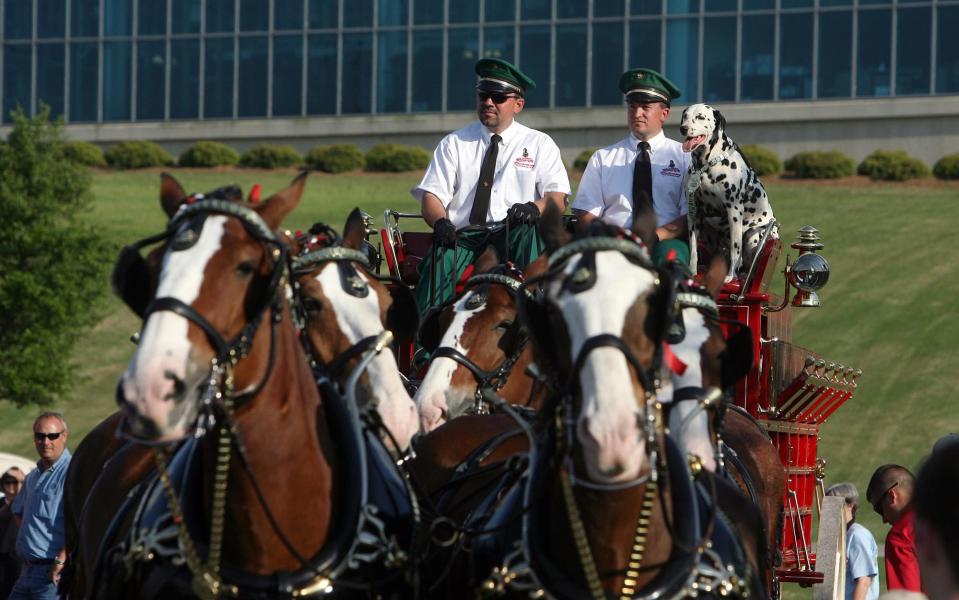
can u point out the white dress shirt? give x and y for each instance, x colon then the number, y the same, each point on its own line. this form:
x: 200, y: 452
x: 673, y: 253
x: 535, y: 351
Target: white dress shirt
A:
x: 528, y: 165
x: 606, y: 189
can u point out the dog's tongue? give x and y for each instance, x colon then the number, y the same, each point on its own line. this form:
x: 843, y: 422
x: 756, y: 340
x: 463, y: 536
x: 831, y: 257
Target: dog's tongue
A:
x: 690, y: 144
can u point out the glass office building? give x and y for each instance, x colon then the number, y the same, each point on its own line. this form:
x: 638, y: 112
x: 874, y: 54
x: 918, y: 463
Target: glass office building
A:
x: 115, y: 61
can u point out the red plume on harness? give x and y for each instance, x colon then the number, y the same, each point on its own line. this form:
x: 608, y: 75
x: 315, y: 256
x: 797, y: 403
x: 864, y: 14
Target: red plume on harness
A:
x: 672, y: 361
x: 461, y: 284
x: 254, y: 196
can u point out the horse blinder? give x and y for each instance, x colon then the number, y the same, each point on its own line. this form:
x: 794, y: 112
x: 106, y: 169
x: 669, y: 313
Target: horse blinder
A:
x: 737, y: 359
x: 403, y: 316
x: 131, y: 280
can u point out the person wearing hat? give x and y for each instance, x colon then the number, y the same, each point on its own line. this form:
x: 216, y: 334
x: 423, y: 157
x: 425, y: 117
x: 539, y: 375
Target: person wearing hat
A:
x: 644, y: 171
x: 491, y: 171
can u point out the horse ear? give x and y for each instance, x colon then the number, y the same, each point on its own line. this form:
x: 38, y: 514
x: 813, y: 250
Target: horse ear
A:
x: 715, y: 275
x: 644, y: 225
x: 551, y: 228
x: 282, y: 203
x: 171, y: 194
x: 403, y: 316
x: 487, y: 261
x: 354, y: 232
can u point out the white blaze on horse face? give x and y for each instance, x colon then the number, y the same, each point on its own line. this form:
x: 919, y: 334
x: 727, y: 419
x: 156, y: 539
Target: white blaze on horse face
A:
x: 162, y: 381
x: 437, y: 400
x: 608, y: 424
x: 359, y: 318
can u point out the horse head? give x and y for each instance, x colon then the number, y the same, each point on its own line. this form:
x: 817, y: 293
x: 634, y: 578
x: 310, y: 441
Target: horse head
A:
x: 597, y: 331
x: 205, y: 294
x: 476, y: 341
x: 345, y: 308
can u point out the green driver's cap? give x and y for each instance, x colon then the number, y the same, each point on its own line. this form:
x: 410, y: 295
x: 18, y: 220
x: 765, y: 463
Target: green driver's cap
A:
x: 647, y: 85
x: 497, y: 75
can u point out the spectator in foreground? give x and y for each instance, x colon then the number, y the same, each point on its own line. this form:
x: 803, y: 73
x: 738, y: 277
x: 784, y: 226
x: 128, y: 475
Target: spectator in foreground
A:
x: 862, y: 570
x: 39, y: 508
x: 937, y: 523
x: 890, y: 494
x: 10, y: 483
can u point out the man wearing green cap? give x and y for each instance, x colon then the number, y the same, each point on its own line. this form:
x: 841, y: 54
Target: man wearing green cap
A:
x: 491, y: 171
x: 644, y: 171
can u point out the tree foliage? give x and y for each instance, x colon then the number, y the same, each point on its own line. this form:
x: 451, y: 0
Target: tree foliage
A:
x: 53, y: 265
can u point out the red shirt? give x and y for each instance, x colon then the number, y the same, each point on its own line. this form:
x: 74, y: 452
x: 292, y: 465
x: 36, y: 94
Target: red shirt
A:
x: 902, y: 567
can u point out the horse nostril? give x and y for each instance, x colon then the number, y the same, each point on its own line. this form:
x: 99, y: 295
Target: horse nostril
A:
x: 179, y: 387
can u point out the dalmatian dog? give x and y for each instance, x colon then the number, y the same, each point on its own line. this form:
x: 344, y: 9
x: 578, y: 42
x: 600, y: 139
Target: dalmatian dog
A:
x: 728, y: 205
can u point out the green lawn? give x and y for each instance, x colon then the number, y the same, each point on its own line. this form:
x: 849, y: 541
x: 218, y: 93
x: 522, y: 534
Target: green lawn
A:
x: 885, y: 309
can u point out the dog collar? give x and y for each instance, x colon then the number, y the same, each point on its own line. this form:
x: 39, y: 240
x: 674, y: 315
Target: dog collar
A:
x: 695, y: 179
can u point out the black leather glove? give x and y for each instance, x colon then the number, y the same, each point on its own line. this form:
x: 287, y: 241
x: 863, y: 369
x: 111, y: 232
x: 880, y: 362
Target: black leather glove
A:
x: 523, y: 214
x: 444, y: 234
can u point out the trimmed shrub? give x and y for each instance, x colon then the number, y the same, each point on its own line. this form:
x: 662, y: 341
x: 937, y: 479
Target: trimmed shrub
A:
x: 763, y: 160
x: 892, y: 165
x: 947, y: 167
x: 137, y: 155
x: 395, y: 158
x: 337, y: 158
x: 582, y: 159
x: 270, y: 156
x: 208, y: 154
x: 84, y: 153
x: 821, y: 165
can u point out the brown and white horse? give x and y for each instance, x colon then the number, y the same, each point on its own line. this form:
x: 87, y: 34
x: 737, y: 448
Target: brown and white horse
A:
x: 219, y: 351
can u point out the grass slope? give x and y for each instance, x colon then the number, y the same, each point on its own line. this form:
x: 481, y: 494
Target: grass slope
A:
x: 885, y: 309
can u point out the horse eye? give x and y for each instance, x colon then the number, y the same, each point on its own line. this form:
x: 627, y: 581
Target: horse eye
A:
x: 504, y: 325
x: 312, y: 304
x: 246, y: 268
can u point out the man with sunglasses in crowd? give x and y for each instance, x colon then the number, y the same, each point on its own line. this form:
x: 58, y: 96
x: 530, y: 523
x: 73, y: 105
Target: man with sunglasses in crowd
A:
x: 645, y: 171
x: 491, y: 171
x: 39, y: 508
x: 890, y: 494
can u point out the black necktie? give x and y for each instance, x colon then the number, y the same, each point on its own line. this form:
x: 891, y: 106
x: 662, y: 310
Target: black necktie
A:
x: 485, y: 184
x: 642, y: 180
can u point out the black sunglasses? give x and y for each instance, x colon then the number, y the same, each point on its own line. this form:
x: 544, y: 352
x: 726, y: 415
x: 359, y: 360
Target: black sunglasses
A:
x: 496, y: 97
x: 9, y: 481
x: 877, y: 505
x: 39, y: 436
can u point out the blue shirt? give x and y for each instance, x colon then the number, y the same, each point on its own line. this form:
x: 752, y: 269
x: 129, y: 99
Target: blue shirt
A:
x: 861, y: 552
x: 40, y: 506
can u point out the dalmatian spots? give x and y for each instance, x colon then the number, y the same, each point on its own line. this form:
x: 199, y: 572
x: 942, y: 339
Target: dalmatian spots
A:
x: 731, y: 206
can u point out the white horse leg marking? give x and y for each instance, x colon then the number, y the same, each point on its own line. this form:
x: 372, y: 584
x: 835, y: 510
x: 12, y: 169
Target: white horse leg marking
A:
x: 437, y: 400
x: 359, y: 318
x: 608, y: 426
x: 162, y: 379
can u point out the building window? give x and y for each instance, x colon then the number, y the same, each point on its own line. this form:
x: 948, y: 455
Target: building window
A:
x: 185, y: 16
x: 835, y: 54
x: 500, y: 10
x: 252, y: 86
x: 117, y: 17
x: 795, y: 56
x: 645, y: 41
x: 913, y: 69
x: 682, y: 56
x: 608, y: 8
x: 427, y: 12
x: 427, y: 89
x: 392, y: 13
x: 391, y: 72
x: 117, y: 62
x: 532, y: 10
x: 464, y: 11
x: 463, y: 52
x: 51, y: 18
x: 875, y: 45
x: 607, y: 63
x: 714, y: 6
x: 646, y: 7
x: 184, y: 79
x: 534, y: 62
x: 947, y: 50
x: 287, y: 15
x: 360, y: 13
x: 719, y: 62
x: 16, y: 78
x: 50, y: 72
x: 84, y: 64
x: 18, y: 20
x: 151, y: 80
x: 151, y: 17
x: 220, y: 17
x: 287, y: 75
x: 498, y: 42
x: 570, y: 76
x: 357, y: 73
x: 324, y: 14
x: 254, y: 15
x: 321, y: 74
x: 218, y: 77
x: 758, y: 58
x: 84, y: 18
x: 571, y: 9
